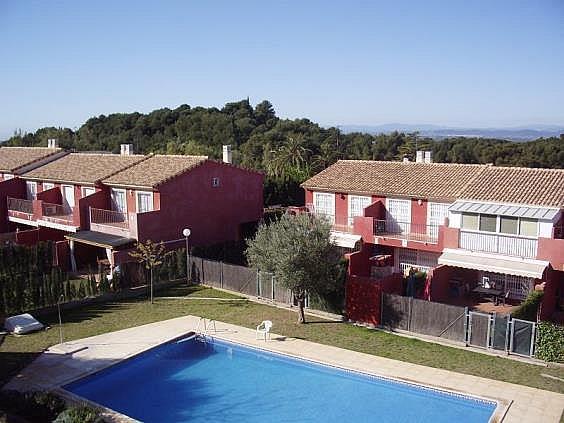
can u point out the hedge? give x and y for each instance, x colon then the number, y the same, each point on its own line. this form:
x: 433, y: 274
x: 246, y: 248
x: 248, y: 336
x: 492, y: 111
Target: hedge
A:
x: 550, y: 342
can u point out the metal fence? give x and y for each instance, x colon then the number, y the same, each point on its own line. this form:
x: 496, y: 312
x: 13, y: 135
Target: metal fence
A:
x: 477, y: 329
x: 239, y: 279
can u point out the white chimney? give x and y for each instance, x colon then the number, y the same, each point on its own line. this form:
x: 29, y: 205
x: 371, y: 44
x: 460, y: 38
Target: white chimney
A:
x: 428, y: 157
x: 406, y: 159
x: 126, y: 149
x: 52, y: 143
x: 227, y: 154
x: 419, y: 156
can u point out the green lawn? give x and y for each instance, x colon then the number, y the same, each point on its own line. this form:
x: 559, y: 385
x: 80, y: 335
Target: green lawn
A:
x: 15, y: 352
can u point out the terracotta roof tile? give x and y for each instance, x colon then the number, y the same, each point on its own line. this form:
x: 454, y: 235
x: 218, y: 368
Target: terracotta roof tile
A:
x: 419, y: 180
x: 154, y: 171
x: 14, y: 158
x: 540, y: 187
x: 444, y: 181
x: 84, y: 167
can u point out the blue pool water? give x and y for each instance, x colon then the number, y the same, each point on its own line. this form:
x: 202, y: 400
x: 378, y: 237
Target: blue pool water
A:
x: 217, y: 381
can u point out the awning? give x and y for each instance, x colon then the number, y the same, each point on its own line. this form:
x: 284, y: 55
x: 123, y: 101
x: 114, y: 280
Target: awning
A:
x: 544, y: 213
x: 491, y: 263
x: 342, y: 239
x: 99, y: 239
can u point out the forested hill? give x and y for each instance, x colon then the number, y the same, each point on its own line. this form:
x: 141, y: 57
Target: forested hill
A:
x: 287, y: 150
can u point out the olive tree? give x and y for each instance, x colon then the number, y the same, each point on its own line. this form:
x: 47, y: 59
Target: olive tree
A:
x: 297, y: 249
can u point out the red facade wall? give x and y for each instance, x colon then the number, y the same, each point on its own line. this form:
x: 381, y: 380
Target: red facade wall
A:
x: 27, y: 237
x: 213, y: 214
x: 52, y: 196
x: 551, y: 250
x: 418, y: 212
x: 10, y: 188
x: 308, y: 197
x: 341, y: 208
x: 364, y: 297
x: 363, y: 301
x: 554, y: 283
x: 99, y: 200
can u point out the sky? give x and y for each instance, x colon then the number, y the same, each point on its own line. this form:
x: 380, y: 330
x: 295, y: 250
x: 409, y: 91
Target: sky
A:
x: 452, y: 62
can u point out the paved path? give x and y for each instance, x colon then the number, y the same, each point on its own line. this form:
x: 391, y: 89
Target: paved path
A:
x: 53, y: 369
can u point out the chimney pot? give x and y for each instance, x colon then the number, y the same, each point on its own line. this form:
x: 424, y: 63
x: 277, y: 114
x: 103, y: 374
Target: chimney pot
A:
x: 227, y: 154
x: 126, y: 149
x: 52, y: 143
x: 419, y: 156
x: 428, y: 157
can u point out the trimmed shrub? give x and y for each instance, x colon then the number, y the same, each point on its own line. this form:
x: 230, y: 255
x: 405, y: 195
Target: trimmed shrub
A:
x: 81, y: 414
x: 33, y: 406
x: 550, y: 342
x: 529, y: 308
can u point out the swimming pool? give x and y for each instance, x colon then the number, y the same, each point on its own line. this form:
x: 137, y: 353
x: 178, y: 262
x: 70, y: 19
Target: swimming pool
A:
x: 218, y: 381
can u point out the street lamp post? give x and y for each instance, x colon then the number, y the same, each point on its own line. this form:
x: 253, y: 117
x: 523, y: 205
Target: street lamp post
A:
x: 186, y: 232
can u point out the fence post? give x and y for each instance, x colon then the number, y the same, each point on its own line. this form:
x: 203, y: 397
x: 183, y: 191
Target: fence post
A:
x: 533, y: 340
x: 507, y: 329
x: 221, y: 274
x: 511, y: 329
x: 272, y: 280
x: 410, y: 306
x: 489, y: 333
x: 258, y: 283
x: 467, y: 327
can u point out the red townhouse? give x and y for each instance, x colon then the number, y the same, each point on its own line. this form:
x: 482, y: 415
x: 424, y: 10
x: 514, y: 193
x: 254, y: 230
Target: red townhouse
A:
x: 465, y: 225
x: 99, y: 205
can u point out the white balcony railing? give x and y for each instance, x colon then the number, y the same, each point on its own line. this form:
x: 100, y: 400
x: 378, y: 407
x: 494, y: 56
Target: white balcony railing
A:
x: 109, y: 218
x: 406, y: 230
x: 510, y: 245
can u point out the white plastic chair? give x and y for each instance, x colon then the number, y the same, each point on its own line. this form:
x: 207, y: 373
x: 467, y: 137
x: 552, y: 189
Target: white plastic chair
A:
x: 263, y: 330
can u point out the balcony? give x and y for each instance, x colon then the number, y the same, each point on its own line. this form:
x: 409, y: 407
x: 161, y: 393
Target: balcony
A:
x: 109, y: 221
x: 20, y: 206
x: 509, y: 245
x: 406, y: 231
x: 56, y: 213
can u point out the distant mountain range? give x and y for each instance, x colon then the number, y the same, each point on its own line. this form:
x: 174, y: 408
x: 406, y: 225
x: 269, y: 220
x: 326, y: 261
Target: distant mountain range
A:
x: 440, y: 132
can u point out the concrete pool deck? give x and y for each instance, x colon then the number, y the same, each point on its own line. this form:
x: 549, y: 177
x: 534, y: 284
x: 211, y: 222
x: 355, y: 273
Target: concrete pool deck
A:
x: 54, y: 368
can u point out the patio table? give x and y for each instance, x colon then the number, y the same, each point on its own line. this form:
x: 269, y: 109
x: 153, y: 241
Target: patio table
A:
x: 483, y: 292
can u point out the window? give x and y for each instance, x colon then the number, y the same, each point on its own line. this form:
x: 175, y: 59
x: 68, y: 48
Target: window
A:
x: 488, y: 222
x: 144, y: 201
x: 8, y: 176
x: 86, y: 191
x: 119, y: 203
x: 470, y: 221
x: 528, y: 227
x: 47, y: 186
x: 509, y: 225
x: 31, y: 190
x: 215, y: 182
x: 357, y: 204
x: 324, y: 204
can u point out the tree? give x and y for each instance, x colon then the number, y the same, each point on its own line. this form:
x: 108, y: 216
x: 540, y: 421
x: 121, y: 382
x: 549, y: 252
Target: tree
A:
x: 297, y: 249
x: 150, y: 254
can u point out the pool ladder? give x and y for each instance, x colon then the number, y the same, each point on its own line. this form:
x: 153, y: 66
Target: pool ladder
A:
x: 205, y: 325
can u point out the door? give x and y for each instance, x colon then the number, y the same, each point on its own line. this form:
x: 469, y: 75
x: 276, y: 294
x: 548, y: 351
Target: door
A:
x: 398, y: 215
x: 436, y: 213
x: 31, y: 190
x: 118, y: 200
x: 68, y: 198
